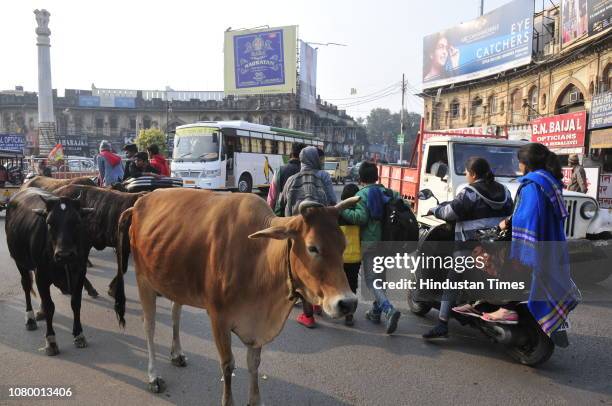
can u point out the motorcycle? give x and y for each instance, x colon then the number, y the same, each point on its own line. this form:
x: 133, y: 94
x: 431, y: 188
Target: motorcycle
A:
x: 525, y: 341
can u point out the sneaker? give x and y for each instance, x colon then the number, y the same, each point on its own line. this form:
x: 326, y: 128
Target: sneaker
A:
x: 316, y: 309
x: 349, y: 320
x: 306, y: 321
x: 391, y: 318
x: 439, y: 331
x: 373, y: 315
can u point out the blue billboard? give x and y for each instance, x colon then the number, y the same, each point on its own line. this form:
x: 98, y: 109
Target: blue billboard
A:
x: 495, y: 42
x: 601, y: 111
x: 12, y: 142
x: 259, y: 59
x: 89, y: 101
x: 125, y: 102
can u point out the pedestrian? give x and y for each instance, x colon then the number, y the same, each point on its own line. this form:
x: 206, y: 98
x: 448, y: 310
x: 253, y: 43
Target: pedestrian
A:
x: 157, y: 161
x: 539, y: 215
x: 480, y: 205
x: 326, y: 178
x: 352, y: 252
x: 109, y: 165
x: 306, y: 185
x: 280, y: 177
x: 578, y: 180
x: 130, y: 165
x: 368, y: 214
x: 142, y: 167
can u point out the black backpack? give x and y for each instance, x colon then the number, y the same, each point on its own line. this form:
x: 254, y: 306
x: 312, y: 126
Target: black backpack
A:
x: 399, y: 222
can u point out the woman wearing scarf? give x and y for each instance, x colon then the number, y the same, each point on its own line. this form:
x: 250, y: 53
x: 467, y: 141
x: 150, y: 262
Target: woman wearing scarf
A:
x: 109, y: 165
x: 539, y: 214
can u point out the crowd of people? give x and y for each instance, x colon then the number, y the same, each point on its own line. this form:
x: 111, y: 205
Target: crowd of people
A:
x: 138, y: 163
x: 537, y: 214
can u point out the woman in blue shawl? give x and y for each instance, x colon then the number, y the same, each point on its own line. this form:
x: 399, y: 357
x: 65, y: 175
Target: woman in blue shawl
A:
x: 538, y: 216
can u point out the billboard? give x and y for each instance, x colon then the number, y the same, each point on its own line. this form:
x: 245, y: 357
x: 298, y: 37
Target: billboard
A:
x: 601, y: 111
x: 563, y: 133
x: 495, y: 42
x: 600, y: 15
x: 74, y: 144
x: 581, y: 18
x: 308, y: 77
x: 12, y: 142
x: 260, y: 61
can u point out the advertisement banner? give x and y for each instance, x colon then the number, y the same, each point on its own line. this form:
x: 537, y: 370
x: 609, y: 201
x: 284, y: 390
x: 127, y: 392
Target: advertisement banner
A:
x: 12, y: 142
x: 605, y: 190
x: 308, y: 77
x: 488, y: 130
x: 497, y: 41
x: 519, y: 132
x: 592, y: 177
x: 260, y: 61
x: 89, y: 101
x: 564, y: 131
x: 574, y: 21
x: 601, y: 111
x: 600, y: 15
x: 74, y: 144
x: 125, y: 102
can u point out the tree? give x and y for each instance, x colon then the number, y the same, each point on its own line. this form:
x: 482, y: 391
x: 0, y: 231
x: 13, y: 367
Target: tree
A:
x: 383, y: 127
x: 149, y: 137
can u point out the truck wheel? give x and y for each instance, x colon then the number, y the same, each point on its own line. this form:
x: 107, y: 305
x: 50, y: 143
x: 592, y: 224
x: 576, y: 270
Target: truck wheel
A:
x: 245, y: 183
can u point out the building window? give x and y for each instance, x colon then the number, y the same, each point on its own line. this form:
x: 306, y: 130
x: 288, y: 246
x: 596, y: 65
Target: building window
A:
x: 606, y: 78
x: 532, y: 100
x: 132, y: 123
x: 114, y: 123
x: 492, y: 102
x: 477, y: 107
x: 571, y: 99
x: 99, y: 124
x: 454, y: 109
x: 437, y: 116
x: 146, y: 122
x: 516, y: 106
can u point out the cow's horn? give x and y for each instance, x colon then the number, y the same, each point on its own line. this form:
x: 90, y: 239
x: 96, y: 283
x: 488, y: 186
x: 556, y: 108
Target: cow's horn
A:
x: 346, y: 203
x: 306, y: 204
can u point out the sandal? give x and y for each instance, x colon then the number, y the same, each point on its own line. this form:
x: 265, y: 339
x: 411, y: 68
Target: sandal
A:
x: 502, y: 316
x: 467, y: 310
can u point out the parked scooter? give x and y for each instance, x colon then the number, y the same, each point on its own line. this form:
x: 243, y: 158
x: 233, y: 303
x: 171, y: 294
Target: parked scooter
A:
x: 525, y: 341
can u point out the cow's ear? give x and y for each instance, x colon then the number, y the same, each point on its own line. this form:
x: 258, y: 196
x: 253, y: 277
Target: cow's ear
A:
x: 40, y: 212
x: 87, y: 210
x: 275, y: 232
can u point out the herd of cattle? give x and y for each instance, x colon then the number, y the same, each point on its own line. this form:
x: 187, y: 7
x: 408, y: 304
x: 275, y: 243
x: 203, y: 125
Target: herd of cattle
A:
x: 51, y: 226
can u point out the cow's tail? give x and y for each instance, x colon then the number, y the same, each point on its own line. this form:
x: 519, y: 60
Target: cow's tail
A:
x: 123, y: 254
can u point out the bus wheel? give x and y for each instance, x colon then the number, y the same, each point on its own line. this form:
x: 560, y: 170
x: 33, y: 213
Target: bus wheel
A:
x: 245, y: 183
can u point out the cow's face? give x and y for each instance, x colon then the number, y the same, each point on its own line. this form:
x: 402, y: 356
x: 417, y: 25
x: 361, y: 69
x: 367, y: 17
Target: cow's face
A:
x: 316, y: 256
x: 63, y: 216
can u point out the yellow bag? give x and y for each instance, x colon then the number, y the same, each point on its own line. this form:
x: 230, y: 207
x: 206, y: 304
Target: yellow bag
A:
x: 352, y: 253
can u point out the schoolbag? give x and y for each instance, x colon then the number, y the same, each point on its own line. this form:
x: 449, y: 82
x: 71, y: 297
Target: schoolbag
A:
x: 304, y: 185
x: 399, y: 222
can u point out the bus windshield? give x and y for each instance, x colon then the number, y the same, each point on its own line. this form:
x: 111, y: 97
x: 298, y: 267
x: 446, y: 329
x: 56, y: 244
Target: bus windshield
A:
x: 196, y: 144
x: 502, y: 159
x: 330, y: 166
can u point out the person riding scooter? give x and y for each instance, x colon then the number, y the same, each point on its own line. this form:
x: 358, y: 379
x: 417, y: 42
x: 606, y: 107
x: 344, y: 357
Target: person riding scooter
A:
x: 480, y: 205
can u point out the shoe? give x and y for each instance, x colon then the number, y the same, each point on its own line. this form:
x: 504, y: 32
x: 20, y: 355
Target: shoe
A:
x: 349, y: 320
x: 316, y: 309
x: 373, y: 314
x: 467, y: 310
x: 439, y: 331
x: 306, y: 321
x: 501, y: 316
x: 391, y: 318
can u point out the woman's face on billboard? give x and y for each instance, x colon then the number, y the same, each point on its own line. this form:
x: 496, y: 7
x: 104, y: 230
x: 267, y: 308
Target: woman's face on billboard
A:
x: 440, y: 53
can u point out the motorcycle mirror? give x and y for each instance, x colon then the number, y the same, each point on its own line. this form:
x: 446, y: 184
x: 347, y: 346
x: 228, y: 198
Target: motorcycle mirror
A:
x: 425, y: 194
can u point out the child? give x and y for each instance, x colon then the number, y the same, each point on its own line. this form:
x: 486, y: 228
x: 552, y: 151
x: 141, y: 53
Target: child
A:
x: 352, y: 253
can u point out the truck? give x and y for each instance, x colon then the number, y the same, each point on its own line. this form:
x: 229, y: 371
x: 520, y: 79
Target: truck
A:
x: 588, y: 228
x: 337, y: 167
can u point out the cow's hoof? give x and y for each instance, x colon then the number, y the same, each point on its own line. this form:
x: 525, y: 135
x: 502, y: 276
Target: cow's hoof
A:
x: 31, y: 325
x: 51, y: 349
x: 93, y: 293
x: 80, y: 341
x: 157, y: 385
x: 180, y: 361
x: 40, y: 315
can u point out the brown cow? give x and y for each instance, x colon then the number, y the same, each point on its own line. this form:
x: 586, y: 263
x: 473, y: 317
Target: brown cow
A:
x: 51, y: 184
x: 229, y: 254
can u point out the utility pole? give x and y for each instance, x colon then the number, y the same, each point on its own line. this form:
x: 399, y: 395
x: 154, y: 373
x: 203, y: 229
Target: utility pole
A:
x: 481, y: 8
x: 401, y: 144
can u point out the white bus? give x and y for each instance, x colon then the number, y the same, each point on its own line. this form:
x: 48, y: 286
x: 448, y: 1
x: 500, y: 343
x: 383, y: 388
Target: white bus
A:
x: 232, y: 154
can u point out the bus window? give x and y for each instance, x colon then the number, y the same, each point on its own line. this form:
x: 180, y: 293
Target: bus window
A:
x: 268, y: 147
x: 244, y: 144
x: 256, y: 145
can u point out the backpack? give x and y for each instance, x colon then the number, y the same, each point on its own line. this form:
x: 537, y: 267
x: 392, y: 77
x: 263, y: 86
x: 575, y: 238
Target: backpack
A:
x: 304, y: 185
x: 399, y: 222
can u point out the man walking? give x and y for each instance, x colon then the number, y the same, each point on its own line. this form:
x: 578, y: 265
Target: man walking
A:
x: 109, y: 165
x: 578, y: 181
x: 280, y: 177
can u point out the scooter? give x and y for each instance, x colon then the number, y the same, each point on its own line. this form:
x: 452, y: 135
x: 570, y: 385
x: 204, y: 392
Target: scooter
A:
x: 525, y: 341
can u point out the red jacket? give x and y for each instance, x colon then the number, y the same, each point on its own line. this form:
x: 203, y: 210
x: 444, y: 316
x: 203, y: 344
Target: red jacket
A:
x: 159, y: 162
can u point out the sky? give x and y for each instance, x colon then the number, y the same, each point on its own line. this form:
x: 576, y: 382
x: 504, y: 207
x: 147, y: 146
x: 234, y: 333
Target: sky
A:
x: 150, y: 45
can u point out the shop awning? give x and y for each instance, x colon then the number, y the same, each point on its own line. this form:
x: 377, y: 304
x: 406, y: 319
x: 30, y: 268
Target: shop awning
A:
x: 601, y: 138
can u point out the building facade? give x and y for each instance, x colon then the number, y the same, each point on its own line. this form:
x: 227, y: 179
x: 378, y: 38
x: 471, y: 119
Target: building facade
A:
x: 85, y: 117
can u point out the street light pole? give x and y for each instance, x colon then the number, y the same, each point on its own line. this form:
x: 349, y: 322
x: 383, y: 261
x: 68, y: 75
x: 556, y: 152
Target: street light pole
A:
x: 401, y: 145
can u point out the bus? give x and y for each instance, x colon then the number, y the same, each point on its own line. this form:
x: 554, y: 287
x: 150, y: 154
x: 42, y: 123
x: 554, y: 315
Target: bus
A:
x: 232, y: 155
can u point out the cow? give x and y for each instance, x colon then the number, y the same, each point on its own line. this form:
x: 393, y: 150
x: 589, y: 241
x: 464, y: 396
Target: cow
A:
x: 51, y: 184
x: 229, y: 254
x: 46, y: 233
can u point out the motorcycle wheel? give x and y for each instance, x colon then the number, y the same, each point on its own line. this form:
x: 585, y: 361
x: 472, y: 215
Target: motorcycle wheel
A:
x: 538, y: 347
x: 418, y: 308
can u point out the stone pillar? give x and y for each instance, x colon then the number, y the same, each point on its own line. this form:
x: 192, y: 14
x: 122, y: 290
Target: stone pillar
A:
x: 46, y: 118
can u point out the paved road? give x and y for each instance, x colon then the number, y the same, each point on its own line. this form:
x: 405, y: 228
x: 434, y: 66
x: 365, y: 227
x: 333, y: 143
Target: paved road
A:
x: 330, y: 365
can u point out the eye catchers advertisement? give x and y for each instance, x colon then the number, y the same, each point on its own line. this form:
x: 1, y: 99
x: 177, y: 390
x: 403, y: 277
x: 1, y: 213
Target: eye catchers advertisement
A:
x: 495, y: 42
